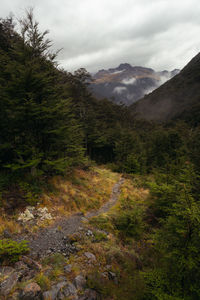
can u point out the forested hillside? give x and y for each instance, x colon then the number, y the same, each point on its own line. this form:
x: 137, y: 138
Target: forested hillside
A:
x: 53, y: 133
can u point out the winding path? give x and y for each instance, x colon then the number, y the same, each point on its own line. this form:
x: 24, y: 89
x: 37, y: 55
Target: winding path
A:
x: 54, y: 238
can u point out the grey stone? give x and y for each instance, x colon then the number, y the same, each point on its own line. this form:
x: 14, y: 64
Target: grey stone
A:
x: 90, y: 256
x: 88, y: 295
x: 32, y: 291
x: 60, y: 291
x: 6, y: 234
x: 9, y: 278
x: 80, y: 282
x: 113, y: 277
x: 66, y: 291
x: 83, y: 219
x: 89, y: 233
x: 31, y: 263
x: 68, y: 268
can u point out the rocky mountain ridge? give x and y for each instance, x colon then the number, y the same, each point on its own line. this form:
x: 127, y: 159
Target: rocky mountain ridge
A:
x: 126, y: 84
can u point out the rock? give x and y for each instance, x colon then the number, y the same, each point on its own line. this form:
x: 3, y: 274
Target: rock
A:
x: 104, y: 274
x: 68, y: 268
x: 31, y: 208
x: 90, y: 256
x: 24, y: 271
x: 52, y: 294
x: 68, y: 290
x: 80, y: 282
x: 80, y: 214
x: 32, y: 264
x: 20, y: 265
x: 32, y: 291
x: 6, y: 234
x: 9, y: 278
x: 89, y: 295
x: 60, y: 291
x: 31, y: 213
x: 113, y: 277
x: 83, y: 219
x: 26, y: 216
x: 89, y: 233
x: 43, y: 214
x: 108, y: 267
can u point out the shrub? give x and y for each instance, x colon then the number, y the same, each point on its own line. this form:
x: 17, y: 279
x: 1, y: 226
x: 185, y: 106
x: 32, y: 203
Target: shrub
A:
x: 43, y: 281
x: 129, y: 223
x: 100, y: 236
x: 10, y: 251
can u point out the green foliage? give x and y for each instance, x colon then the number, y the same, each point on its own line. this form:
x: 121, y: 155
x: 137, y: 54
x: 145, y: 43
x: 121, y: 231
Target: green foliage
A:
x: 39, y: 133
x: 129, y: 223
x: 55, y: 260
x: 176, y: 241
x: 99, y: 236
x: 43, y: 281
x: 10, y: 251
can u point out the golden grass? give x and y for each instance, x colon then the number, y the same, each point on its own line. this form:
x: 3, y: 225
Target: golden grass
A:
x: 9, y: 224
x: 82, y: 191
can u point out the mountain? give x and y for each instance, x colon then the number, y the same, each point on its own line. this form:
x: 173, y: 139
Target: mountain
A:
x: 126, y: 84
x: 178, y: 97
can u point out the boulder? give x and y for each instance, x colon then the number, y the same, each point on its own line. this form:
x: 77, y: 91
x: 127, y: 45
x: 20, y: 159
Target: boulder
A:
x: 68, y: 290
x: 32, y: 264
x: 68, y: 268
x: 60, y: 291
x: 9, y: 278
x: 80, y: 282
x: 90, y: 256
x: 88, y: 295
x: 32, y: 291
x: 26, y: 216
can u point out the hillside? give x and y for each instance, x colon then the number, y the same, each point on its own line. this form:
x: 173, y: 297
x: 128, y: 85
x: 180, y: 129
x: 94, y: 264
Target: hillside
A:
x: 176, y: 97
x: 126, y: 84
x: 94, y: 204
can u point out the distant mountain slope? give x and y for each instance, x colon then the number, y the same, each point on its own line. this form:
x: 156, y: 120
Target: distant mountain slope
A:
x: 177, y: 97
x: 126, y: 84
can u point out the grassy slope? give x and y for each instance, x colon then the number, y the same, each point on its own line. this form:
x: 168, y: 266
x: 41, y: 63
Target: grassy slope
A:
x: 80, y: 191
x: 119, y: 240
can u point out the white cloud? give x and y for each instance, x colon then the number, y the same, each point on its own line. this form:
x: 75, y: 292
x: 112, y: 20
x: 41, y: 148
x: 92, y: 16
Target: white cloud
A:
x: 129, y: 81
x: 119, y: 89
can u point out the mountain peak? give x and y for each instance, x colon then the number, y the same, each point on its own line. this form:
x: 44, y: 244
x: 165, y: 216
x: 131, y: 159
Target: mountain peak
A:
x: 124, y: 66
x: 126, y: 83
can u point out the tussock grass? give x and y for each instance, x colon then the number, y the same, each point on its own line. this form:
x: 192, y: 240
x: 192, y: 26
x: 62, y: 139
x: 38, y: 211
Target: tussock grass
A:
x: 9, y: 224
x: 81, y: 191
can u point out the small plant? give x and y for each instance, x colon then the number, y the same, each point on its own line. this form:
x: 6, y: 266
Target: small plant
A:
x: 55, y: 260
x: 43, y: 281
x: 56, y: 273
x: 100, y: 236
x: 10, y: 251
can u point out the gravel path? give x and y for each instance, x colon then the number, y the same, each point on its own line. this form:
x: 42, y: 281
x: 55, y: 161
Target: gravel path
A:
x: 55, y: 238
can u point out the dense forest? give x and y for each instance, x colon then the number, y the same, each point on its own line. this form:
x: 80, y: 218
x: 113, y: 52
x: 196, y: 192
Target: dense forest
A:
x: 50, y: 124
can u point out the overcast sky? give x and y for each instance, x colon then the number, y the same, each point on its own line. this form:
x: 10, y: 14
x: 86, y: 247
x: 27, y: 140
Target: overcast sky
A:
x: 97, y: 34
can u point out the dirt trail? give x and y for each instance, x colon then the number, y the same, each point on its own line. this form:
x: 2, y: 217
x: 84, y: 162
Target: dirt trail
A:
x: 54, y: 238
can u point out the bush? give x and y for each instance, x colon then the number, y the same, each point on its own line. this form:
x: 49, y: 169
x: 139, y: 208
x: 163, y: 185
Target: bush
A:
x: 10, y: 251
x: 129, y: 223
x: 43, y: 281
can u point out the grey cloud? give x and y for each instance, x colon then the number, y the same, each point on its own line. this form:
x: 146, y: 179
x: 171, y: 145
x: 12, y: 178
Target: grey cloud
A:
x: 95, y: 34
